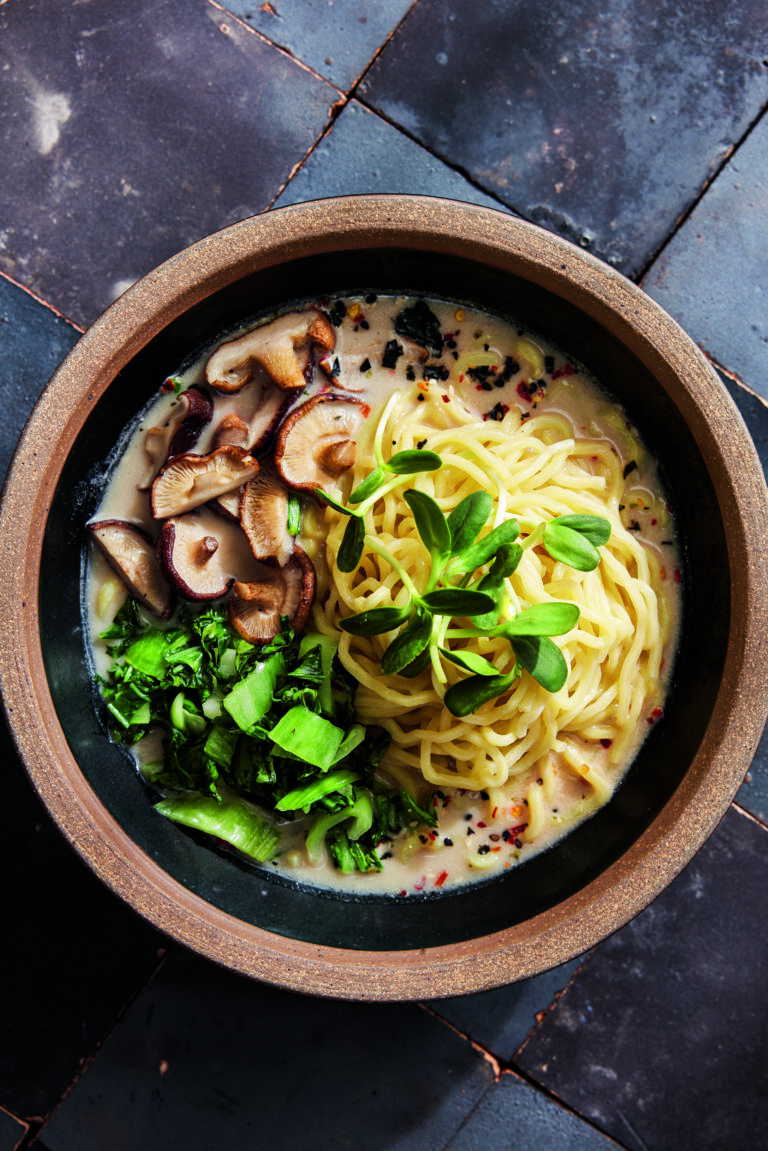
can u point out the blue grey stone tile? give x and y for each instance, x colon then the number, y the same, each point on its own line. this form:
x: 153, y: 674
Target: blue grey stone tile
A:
x: 207, y: 1059
x: 78, y: 954
x: 499, y: 1020
x: 12, y: 1131
x: 661, y: 1039
x: 74, y: 954
x: 337, y: 38
x: 600, y: 119
x: 34, y: 341
x: 712, y: 275
x: 514, y: 1114
x: 363, y: 153
x: 131, y: 128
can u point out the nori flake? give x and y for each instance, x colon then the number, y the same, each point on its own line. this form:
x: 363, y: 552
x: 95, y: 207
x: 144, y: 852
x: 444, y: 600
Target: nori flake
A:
x: 421, y: 325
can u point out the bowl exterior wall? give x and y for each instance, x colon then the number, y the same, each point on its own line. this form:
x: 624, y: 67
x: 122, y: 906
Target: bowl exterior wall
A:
x: 563, y: 901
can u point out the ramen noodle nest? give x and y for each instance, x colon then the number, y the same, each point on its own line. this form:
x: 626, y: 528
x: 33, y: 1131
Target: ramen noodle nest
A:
x: 504, y: 414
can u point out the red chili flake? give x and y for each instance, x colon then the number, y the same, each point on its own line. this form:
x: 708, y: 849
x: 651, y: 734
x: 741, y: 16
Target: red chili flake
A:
x: 606, y: 742
x: 446, y: 399
x: 657, y: 713
x: 481, y: 823
x: 495, y: 849
x: 518, y: 830
x: 421, y: 884
x: 567, y: 370
x: 402, y: 894
x: 654, y: 521
x: 168, y: 385
x: 677, y: 575
x: 522, y: 391
x: 441, y: 879
x: 494, y: 813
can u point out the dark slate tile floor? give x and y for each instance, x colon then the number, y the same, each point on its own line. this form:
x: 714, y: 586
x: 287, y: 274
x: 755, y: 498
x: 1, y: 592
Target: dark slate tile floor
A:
x: 129, y: 130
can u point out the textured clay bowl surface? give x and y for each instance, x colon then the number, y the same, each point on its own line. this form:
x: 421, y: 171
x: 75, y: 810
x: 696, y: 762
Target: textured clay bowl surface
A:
x: 566, y: 899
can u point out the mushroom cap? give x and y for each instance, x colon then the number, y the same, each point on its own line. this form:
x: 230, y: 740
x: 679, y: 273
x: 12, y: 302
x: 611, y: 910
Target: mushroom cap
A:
x: 264, y: 517
x: 317, y: 442
x: 188, y: 481
x: 190, y: 412
x: 256, y: 608
x: 131, y: 553
x: 283, y: 347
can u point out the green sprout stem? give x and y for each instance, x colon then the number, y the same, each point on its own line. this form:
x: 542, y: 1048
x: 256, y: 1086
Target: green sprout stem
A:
x: 396, y: 566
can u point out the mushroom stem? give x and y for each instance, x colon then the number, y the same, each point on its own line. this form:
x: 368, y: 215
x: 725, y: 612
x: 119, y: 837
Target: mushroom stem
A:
x: 207, y: 547
x: 337, y: 457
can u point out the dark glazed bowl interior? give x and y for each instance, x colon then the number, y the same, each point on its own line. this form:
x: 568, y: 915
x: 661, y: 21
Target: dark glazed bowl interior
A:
x: 567, y: 897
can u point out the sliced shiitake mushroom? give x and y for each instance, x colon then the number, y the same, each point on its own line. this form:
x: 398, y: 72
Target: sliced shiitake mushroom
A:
x: 131, y: 553
x: 188, y: 481
x: 264, y: 517
x: 191, y: 411
x: 283, y: 347
x: 250, y: 416
x: 256, y: 607
x: 194, y: 557
x: 317, y: 442
x: 228, y: 505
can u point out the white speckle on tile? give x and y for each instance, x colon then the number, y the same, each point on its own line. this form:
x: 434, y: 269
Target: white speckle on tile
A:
x: 49, y: 110
x: 120, y: 286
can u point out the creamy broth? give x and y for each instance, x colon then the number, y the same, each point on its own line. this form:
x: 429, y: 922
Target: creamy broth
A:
x: 505, y: 377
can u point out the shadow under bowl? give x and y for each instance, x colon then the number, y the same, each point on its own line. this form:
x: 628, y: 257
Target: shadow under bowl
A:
x: 560, y: 902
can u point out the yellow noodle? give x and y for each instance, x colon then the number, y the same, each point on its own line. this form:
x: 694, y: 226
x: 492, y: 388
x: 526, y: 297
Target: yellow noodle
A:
x: 529, y: 745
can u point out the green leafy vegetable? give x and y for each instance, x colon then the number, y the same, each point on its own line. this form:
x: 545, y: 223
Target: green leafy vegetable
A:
x: 254, y: 736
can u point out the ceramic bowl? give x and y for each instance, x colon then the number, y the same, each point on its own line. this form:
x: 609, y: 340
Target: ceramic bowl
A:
x: 562, y: 901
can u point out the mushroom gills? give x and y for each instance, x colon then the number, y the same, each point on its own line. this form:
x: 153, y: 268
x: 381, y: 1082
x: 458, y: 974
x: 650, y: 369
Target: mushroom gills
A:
x: 264, y: 517
x: 188, y: 481
x: 283, y: 347
x: 258, y: 606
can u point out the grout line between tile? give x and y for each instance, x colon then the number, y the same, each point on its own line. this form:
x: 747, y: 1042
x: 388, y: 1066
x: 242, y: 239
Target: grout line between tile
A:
x: 685, y: 216
x: 266, y: 40
x: 734, y: 378
x: 437, y: 156
x: 40, y: 299
x: 478, y: 1047
x: 163, y: 953
x: 387, y: 40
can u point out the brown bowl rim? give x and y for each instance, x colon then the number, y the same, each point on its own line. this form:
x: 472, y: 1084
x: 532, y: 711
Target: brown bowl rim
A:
x: 503, y: 241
